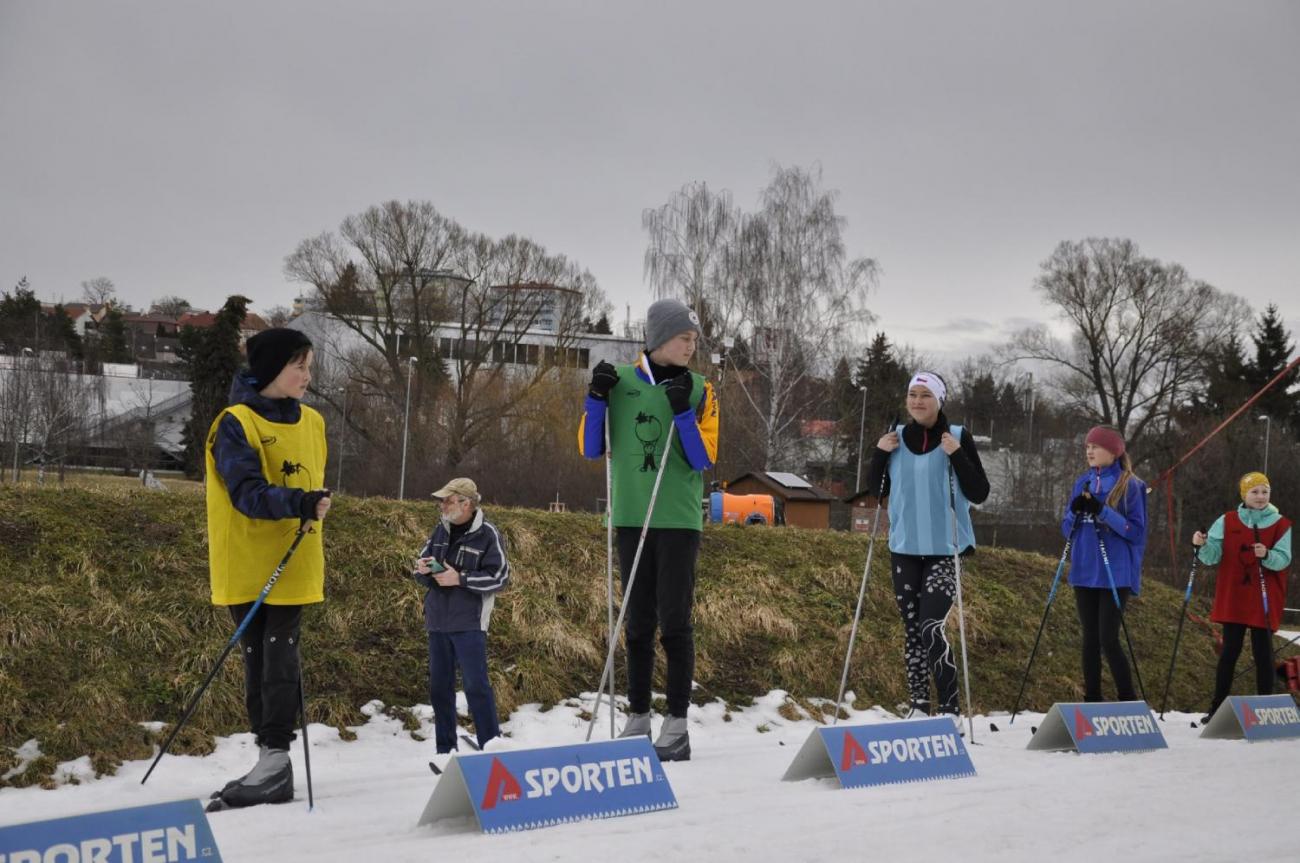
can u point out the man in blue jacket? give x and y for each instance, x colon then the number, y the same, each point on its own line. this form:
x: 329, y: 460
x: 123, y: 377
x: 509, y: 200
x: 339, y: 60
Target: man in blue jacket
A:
x: 464, y: 565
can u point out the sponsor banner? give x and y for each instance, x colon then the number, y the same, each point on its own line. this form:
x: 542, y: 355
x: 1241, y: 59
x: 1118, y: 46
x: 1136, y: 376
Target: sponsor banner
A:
x: 524, y: 788
x: 162, y: 833
x: 910, y: 750
x: 1254, y: 717
x: 1103, y: 726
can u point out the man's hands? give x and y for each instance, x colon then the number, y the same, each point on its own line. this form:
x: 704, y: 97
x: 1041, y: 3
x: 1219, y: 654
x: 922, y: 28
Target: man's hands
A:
x: 448, y: 576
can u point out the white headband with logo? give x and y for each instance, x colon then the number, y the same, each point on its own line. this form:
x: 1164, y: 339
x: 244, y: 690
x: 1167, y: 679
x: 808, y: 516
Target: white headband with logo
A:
x: 931, y: 382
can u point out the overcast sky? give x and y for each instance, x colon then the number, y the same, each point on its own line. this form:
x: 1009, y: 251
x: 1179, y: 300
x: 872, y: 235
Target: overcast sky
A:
x: 185, y: 148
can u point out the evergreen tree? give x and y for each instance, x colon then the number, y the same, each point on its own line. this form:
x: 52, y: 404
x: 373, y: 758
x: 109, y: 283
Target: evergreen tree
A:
x: 886, y: 382
x: 211, y: 356
x: 112, y: 338
x: 602, y: 326
x: 65, y: 332
x: 20, y: 319
x: 1273, y: 348
x: 1226, y: 386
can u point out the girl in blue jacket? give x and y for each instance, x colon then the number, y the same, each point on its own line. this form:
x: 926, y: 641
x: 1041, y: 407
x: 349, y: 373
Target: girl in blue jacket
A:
x: 1108, y: 507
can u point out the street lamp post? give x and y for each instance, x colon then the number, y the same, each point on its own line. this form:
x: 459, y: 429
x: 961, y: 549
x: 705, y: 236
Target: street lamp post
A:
x: 406, y: 425
x: 1268, y: 425
x: 343, y: 438
x: 862, y: 425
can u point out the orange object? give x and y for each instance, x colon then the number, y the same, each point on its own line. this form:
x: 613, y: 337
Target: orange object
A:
x: 743, y: 509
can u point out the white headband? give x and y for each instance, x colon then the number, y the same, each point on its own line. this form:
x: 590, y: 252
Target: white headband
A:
x: 931, y: 382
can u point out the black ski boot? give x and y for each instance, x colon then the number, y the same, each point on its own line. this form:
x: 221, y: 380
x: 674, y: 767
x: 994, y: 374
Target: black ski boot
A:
x: 271, y: 781
x: 674, y: 743
x: 261, y: 752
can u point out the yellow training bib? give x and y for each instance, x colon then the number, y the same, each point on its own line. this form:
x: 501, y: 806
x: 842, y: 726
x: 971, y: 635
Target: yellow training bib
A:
x: 243, y: 551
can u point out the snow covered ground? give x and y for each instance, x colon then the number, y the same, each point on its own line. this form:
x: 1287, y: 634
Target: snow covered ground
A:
x: 1198, y: 800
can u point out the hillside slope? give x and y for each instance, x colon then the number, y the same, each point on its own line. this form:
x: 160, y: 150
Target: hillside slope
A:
x: 105, y: 622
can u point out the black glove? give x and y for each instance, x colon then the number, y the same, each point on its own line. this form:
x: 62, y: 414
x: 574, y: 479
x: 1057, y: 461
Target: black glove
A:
x: 307, y: 508
x: 679, y: 393
x: 1086, y: 504
x: 603, y: 378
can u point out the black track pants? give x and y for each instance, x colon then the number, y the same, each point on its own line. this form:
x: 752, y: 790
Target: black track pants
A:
x: 1100, y: 622
x: 271, y: 671
x: 1261, y: 645
x: 663, y: 595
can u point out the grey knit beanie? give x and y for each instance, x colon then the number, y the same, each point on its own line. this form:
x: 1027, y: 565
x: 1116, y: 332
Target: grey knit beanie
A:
x: 667, y: 318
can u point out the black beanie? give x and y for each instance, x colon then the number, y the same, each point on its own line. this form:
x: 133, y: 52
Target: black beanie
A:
x: 270, y: 351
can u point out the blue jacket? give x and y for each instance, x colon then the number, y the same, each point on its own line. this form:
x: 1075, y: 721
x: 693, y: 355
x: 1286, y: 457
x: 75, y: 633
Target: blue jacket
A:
x: 479, y: 555
x: 238, y: 463
x: 1123, y: 530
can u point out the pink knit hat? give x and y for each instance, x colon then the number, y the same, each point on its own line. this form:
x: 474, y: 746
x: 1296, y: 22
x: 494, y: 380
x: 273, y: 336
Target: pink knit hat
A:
x: 1107, y: 438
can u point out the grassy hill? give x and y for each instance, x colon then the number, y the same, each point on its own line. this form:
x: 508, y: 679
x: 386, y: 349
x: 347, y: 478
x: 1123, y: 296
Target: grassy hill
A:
x: 105, y: 622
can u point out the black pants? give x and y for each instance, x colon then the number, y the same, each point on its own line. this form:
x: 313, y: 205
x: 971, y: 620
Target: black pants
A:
x: 1261, y: 645
x: 271, y: 671
x: 924, y: 588
x: 1100, y: 621
x: 663, y: 595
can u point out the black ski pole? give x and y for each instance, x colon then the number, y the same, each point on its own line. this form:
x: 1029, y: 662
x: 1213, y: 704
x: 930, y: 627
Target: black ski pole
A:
x: 306, y: 746
x: 1114, y: 592
x: 230, y: 645
x: 1178, y: 636
x: 1051, y: 597
x: 1263, y: 595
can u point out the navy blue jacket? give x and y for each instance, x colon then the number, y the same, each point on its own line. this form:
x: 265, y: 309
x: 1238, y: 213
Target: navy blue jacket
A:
x: 479, y: 555
x: 1123, y: 530
x: 238, y: 463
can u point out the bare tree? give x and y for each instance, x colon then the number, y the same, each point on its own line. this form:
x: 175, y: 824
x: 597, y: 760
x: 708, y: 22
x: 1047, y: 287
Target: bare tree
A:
x: 1137, y: 331
x: 690, y: 238
x: 61, y: 409
x: 99, y: 291
x: 802, y: 300
x: 778, y: 280
x: 278, y: 316
x: 411, y: 283
x: 16, y: 407
x: 171, y: 306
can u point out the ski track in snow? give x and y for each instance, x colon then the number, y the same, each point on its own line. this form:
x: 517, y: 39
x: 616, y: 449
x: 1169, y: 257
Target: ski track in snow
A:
x: 1200, y: 800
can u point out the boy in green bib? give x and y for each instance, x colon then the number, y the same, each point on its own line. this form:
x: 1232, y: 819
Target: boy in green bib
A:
x: 641, y: 402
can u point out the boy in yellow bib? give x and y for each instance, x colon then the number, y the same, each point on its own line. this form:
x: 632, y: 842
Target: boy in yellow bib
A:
x: 265, y: 459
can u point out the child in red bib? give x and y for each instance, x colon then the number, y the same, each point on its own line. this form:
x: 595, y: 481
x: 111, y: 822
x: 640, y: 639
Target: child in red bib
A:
x: 1252, y: 547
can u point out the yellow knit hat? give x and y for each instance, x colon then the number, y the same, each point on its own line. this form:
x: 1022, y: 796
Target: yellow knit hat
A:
x: 1249, y: 481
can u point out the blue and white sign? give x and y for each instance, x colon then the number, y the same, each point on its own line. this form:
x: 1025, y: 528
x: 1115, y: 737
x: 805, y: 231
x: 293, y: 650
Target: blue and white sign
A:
x: 1103, y: 726
x: 163, y: 833
x: 911, y: 750
x: 1254, y: 717
x: 525, y: 788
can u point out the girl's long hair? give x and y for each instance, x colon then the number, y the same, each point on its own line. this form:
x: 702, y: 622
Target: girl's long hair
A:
x: 1117, y: 493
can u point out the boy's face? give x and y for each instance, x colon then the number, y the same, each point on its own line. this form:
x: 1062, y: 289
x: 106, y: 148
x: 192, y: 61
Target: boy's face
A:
x: 293, y: 380
x: 677, y: 351
x: 1258, y: 497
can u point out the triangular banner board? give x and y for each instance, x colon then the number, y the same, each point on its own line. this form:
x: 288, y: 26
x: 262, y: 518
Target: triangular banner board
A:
x: 910, y: 750
x: 1102, y: 726
x: 520, y: 789
x: 176, y: 831
x: 1254, y: 717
